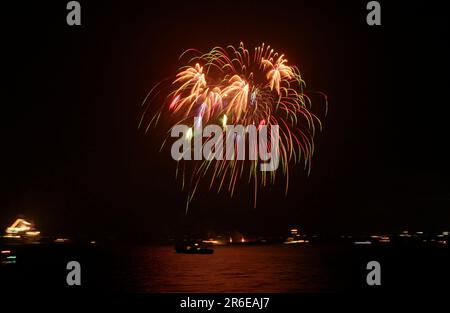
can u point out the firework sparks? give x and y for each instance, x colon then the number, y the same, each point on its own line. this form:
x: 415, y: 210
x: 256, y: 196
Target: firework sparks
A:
x: 231, y: 86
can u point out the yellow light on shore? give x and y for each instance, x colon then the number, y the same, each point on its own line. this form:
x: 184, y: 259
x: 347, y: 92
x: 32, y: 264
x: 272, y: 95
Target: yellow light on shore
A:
x: 33, y: 233
x: 19, y: 225
x: 211, y: 241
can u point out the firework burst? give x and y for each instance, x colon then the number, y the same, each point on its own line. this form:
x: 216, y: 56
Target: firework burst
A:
x: 232, y: 86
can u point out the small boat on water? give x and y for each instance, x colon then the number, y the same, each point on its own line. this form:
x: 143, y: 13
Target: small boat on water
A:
x: 192, y: 248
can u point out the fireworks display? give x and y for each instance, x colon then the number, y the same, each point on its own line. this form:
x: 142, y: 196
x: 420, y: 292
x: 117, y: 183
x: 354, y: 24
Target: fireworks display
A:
x: 235, y: 86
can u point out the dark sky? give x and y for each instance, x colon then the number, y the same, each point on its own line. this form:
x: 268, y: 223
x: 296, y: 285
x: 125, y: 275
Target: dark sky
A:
x: 74, y: 161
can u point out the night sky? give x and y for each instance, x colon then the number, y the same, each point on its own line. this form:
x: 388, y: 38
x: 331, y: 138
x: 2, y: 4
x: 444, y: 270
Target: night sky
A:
x: 74, y: 161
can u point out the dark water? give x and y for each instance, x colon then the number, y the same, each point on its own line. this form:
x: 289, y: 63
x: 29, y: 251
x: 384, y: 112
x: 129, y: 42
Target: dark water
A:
x: 232, y: 269
x: 281, y: 268
x: 243, y: 269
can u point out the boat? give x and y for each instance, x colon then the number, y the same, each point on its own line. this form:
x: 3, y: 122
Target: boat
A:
x: 192, y: 248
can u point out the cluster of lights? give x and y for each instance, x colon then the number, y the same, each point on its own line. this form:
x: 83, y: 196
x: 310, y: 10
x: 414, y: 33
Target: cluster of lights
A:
x: 295, y: 237
x: 7, y: 257
x: 19, y: 226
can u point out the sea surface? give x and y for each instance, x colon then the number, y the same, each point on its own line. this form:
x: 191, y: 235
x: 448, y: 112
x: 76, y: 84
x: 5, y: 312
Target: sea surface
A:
x: 283, y: 269
x: 277, y: 268
x: 230, y: 269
